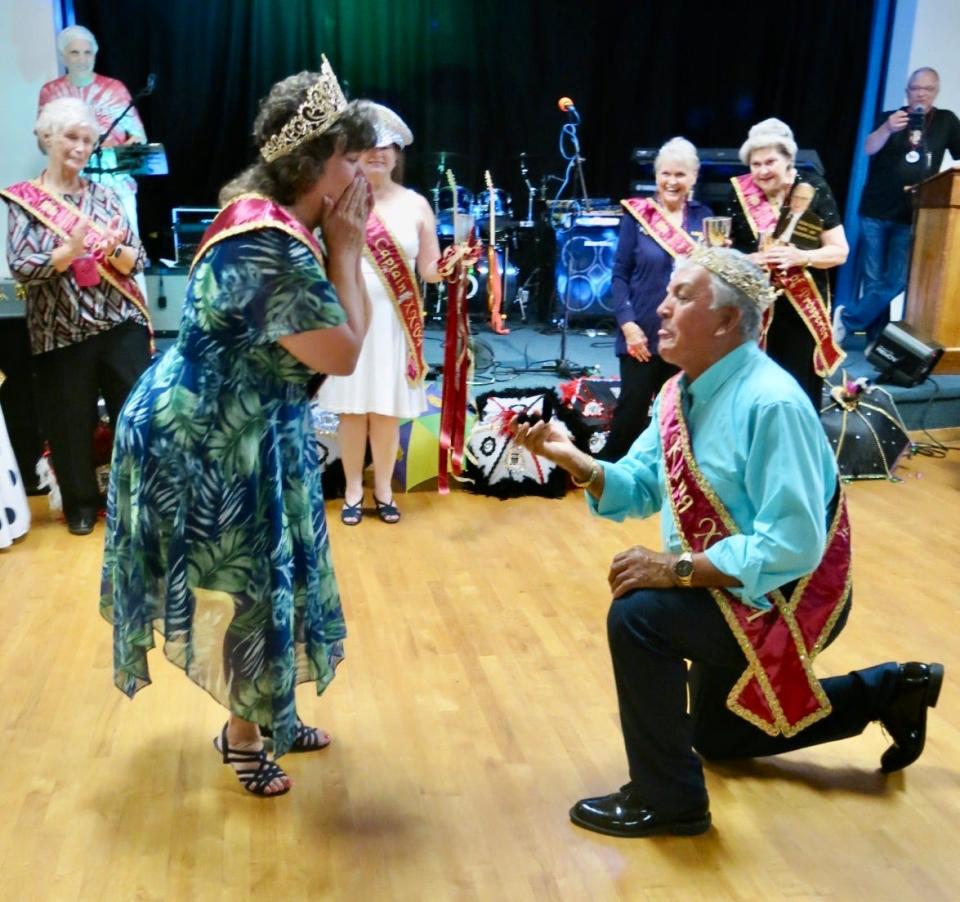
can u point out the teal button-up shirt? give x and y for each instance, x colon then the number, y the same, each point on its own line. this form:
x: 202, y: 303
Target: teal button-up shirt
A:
x: 761, y: 447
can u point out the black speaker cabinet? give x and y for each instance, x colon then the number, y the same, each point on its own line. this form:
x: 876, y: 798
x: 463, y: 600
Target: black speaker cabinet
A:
x: 903, y: 356
x: 584, y: 266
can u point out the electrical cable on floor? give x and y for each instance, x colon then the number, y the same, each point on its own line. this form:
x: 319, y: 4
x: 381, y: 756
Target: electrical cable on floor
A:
x: 934, y: 448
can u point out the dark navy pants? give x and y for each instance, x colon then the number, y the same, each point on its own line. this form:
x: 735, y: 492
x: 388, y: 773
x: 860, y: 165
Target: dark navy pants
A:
x: 639, y: 385
x: 652, y: 633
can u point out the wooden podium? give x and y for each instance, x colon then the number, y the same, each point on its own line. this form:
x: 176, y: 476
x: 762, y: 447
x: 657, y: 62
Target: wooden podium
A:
x: 933, y: 295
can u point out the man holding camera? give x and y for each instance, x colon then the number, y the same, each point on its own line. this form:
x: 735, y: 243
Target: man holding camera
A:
x: 906, y: 147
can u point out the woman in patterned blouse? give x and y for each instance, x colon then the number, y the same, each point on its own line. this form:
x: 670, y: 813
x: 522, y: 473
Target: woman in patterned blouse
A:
x: 73, y: 254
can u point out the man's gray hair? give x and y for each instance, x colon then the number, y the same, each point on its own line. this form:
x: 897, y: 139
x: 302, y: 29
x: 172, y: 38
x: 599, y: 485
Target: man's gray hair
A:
x: 75, y: 33
x: 59, y: 115
x: 678, y: 149
x: 751, y: 300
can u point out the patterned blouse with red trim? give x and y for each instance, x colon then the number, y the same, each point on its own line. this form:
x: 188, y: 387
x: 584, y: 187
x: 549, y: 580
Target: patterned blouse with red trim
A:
x: 59, y: 311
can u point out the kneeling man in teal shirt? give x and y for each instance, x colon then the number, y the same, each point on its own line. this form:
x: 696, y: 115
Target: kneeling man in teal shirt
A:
x: 755, y: 578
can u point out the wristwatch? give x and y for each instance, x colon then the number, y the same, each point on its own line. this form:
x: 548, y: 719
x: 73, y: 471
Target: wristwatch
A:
x: 683, y: 569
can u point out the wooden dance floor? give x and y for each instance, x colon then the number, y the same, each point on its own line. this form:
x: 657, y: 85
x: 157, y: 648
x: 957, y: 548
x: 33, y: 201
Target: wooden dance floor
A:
x: 476, y: 703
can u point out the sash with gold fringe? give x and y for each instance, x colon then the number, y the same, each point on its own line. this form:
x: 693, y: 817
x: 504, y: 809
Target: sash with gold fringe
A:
x: 778, y: 692
x: 454, y: 265
x: 61, y: 218
x: 797, y: 284
x: 248, y: 213
x: 391, y: 265
x: 674, y: 240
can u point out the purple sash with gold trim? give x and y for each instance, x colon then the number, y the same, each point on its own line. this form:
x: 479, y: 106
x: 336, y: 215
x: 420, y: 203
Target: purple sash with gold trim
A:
x: 673, y: 239
x: 797, y: 284
x: 248, y: 213
x: 778, y: 692
x: 391, y: 265
x: 62, y: 218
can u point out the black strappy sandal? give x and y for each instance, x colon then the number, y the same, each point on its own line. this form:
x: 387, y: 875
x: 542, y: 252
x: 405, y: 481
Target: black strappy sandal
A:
x: 307, y: 739
x: 351, y: 514
x: 387, y: 512
x: 253, y: 781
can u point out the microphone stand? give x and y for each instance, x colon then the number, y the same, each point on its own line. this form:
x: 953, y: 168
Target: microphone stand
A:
x: 145, y: 91
x: 561, y: 366
x: 437, y: 189
x: 531, y: 191
x: 523, y: 292
x: 574, y: 137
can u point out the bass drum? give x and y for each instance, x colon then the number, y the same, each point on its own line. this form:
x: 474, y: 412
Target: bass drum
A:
x: 448, y: 202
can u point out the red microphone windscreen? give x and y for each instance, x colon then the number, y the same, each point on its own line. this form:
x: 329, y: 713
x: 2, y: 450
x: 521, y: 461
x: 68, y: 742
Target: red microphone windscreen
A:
x: 564, y: 103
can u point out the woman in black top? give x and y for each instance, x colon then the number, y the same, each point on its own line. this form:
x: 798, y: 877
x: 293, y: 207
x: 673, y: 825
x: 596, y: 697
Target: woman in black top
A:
x: 808, y: 234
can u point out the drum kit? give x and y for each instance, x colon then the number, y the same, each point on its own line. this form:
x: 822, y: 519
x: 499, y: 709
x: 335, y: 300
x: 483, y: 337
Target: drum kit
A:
x: 479, y: 209
x: 459, y: 200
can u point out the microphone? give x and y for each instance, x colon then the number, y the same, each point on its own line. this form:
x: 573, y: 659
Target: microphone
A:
x: 565, y: 105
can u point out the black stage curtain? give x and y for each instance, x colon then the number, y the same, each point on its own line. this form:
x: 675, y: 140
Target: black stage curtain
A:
x: 482, y: 78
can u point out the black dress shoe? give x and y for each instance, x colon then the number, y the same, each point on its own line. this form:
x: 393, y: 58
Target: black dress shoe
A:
x: 905, y: 717
x: 81, y: 524
x: 623, y: 813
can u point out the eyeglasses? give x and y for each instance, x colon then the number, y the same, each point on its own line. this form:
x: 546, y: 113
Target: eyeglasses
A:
x: 929, y: 89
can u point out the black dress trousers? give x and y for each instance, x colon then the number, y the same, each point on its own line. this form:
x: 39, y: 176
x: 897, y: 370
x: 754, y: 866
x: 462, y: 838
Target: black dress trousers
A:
x: 652, y: 634
x: 69, y: 383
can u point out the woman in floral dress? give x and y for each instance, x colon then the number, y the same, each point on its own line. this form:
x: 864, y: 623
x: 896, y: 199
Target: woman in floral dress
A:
x: 216, y: 534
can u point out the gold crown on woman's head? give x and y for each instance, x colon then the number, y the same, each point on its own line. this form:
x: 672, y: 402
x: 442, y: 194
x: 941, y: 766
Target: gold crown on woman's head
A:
x: 738, y: 270
x: 323, y: 106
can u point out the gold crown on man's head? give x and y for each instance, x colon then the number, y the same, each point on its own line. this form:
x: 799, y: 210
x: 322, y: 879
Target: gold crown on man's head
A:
x: 737, y: 270
x: 323, y: 106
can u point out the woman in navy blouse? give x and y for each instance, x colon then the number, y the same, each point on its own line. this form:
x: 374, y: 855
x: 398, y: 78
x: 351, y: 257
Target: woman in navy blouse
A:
x: 641, y: 270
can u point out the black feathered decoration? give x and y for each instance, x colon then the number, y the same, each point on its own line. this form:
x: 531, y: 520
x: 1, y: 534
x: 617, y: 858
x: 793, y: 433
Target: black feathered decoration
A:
x: 496, y: 465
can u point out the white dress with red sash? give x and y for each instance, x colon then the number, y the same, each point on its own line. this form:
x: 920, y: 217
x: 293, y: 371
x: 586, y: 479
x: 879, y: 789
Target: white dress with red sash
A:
x: 379, y: 384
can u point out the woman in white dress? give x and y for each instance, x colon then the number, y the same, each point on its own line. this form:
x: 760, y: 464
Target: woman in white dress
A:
x: 387, y: 384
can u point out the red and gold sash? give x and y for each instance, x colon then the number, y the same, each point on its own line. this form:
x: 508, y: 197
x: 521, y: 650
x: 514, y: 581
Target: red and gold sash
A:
x: 797, y: 284
x: 457, y: 360
x: 760, y: 213
x: 778, y: 692
x: 61, y: 218
x: 673, y: 239
x: 248, y: 213
x: 391, y: 265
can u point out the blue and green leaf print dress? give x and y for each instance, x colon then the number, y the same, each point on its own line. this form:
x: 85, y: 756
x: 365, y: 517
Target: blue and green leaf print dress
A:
x: 216, y: 536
